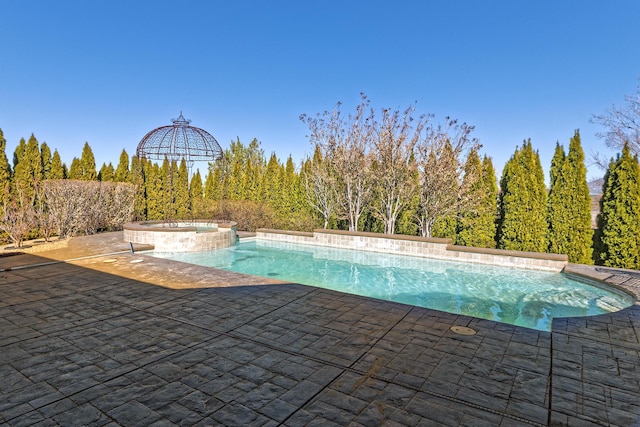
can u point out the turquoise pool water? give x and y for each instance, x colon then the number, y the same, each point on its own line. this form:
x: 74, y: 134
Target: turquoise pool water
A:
x: 519, y: 297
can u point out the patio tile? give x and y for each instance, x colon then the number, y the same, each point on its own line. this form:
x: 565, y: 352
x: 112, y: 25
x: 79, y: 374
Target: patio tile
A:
x: 82, y: 345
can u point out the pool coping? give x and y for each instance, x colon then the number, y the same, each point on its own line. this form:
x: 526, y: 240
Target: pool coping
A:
x: 417, y: 246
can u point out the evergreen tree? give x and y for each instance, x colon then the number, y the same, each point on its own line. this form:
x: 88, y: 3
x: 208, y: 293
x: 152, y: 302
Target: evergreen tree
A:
x: 137, y: 178
x: 165, y: 190
x: 487, y: 219
x: 523, y: 203
x: 45, y: 156
x: 272, y: 182
x: 75, y: 171
x: 212, y: 187
x: 444, y: 227
x: 570, y: 205
x: 19, y: 152
x: 557, y: 212
x: 28, y: 169
x: 182, y: 204
x: 235, y: 188
x: 251, y: 181
x: 291, y: 210
x: 156, y: 203
x: 619, y: 219
x: 5, y: 170
x: 106, y: 173
x: 406, y: 223
x: 88, y: 164
x: 196, y: 191
x: 122, y: 170
x: 557, y: 161
x: 57, y: 168
x: 476, y: 224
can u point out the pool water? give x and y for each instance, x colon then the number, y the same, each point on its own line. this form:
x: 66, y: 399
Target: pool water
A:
x: 516, y: 296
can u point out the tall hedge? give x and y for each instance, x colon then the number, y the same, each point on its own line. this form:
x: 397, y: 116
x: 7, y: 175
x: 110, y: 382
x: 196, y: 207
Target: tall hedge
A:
x: 569, y: 209
x: 476, y: 224
x: 618, y: 241
x: 522, y: 224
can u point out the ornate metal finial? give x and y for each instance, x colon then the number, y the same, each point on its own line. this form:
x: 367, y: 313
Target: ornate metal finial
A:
x: 181, y: 121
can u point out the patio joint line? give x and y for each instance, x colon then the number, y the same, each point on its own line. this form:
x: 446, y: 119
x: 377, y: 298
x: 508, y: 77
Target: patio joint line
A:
x: 382, y: 336
x: 598, y: 341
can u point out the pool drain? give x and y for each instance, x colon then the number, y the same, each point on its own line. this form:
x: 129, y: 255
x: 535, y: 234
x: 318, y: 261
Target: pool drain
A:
x: 462, y: 330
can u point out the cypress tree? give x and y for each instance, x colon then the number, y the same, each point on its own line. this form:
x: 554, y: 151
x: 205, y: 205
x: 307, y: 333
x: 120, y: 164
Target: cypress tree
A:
x: 57, y: 169
x: 155, y: 191
x: 251, y: 181
x: 28, y: 169
x: 272, y: 182
x: 476, y: 224
x: 466, y: 221
x: 570, y: 205
x: 196, y: 191
x: 557, y: 213
x: 75, y: 171
x: 181, y: 199
x: 210, y: 186
x: 523, y: 203
x: 88, y: 164
x: 164, y: 190
x: 18, y: 153
x: 137, y: 178
x: 45, y: 156
x: 122, y: 173
x: 487, y: 220
x: 292, y: 198
x: 619, y: 219
x: 106, y: 173
x: 5, y: 170
x: 445, y: 227
x: 557, y: 161
x: 235, y: 189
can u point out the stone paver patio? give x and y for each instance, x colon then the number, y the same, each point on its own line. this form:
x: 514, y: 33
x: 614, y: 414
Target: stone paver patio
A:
x: 126, y: 339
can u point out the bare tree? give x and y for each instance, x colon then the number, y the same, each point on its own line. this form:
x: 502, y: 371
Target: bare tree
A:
x: 442, y: 188
x: 321, y: 187
x: 88, y: 206
x: 345, y: 143
x: 43, y: 218
x: 18, y: 217
x: 118, y: 202
x: 623, y: 126
x: 395, y: 166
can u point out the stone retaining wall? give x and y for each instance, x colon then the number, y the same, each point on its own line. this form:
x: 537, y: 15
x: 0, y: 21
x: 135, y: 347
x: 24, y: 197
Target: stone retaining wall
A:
x: 418, y: 246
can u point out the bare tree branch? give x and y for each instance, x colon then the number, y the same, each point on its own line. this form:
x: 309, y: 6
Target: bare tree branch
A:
x: 623, y: 125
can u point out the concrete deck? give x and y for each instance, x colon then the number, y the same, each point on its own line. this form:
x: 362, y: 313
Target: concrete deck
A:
x: 126, y: 339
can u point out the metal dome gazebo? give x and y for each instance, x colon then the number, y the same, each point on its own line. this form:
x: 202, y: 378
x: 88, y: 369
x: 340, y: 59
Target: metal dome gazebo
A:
x: 176, y: 143
x: 179, y: 141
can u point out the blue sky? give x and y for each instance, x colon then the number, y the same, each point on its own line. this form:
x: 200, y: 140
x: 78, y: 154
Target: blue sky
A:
x: 107, y: 72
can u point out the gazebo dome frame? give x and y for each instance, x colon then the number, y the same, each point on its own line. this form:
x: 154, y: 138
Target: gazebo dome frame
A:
x: 179, y: 141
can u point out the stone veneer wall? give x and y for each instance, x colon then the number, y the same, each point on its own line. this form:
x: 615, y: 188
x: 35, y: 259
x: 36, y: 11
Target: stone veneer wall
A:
x: 184, y: 238
x: 418, y: 246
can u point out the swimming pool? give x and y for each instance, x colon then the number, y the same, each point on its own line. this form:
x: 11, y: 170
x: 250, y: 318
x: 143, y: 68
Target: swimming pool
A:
x: 519, y: 297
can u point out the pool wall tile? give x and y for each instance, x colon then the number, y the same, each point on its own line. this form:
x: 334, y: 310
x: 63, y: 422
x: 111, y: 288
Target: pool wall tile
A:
x: 418, y: 246
x: 185, y: 238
